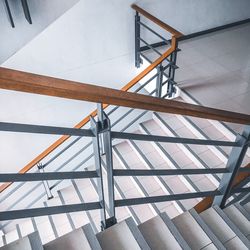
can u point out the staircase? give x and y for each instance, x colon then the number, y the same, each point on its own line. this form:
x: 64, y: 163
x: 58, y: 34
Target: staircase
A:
x: 212, y: 229
x: 139, y: 155
x: 152, y: 173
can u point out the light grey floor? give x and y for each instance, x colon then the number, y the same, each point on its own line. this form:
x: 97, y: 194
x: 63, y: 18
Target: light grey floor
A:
x: 215, y: 68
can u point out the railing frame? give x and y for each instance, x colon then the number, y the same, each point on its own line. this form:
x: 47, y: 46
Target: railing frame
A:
x: 234, y: 163
x: 102, y: 137
x: 171, y: 66
x: 101, y: 131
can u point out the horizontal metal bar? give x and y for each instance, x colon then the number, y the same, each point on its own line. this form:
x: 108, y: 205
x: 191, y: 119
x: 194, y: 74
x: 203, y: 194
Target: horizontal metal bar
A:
x: 38, y: 129
x: 47, y: 176
x: 167, y: 42
x: 155, y: 50
x: 164, y: 198
x: 244, y: 170
x: 147, y: 59
x: 162, y: 172
x: 240, y: 190
x: 154, y: 45
x: 42, y: 211
x: 156, y: 138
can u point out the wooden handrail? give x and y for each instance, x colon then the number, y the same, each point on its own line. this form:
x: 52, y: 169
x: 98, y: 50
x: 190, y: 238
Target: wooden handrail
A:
x: 208, y: 201
x: 157, y: 21
x: 43, y: 85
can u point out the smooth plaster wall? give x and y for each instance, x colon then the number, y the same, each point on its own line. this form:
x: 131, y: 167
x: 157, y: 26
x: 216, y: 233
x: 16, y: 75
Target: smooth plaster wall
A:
x: 43, y: 13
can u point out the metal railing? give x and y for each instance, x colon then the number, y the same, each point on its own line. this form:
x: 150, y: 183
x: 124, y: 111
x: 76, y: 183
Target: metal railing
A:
x: 101, y: 135
x: 166, y: 69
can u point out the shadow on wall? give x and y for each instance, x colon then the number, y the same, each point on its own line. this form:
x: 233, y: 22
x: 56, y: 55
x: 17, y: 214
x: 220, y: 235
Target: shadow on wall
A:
x: 43, y: 13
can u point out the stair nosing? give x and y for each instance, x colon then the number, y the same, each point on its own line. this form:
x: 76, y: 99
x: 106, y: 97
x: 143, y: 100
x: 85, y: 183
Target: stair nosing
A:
x: 206, y: 229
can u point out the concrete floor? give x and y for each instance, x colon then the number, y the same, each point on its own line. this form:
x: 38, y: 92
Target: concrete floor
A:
x: 215, y: 68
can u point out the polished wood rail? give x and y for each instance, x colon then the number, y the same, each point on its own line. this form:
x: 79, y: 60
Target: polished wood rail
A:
x: 37, y: 84
x: 208, y: 201
x: 163, y: 25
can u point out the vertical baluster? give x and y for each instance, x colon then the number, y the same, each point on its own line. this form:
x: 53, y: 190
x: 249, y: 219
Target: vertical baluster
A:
x: 137, y: 40
x: 172, y: 68
x: 102, y: 131
x: 234, y: 163
x: 159, y: 80
x: 9, y: 13
x: 40, y: 166
x: 97, y: 156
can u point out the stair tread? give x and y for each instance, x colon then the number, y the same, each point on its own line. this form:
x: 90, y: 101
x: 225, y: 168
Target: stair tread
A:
x: 157, y: 234
x: 29, y: 242
x: 191, y: 231
x: 119, y: 237
x: 74, y: 240
x: 235, y: 244
x: 216, y: 223
x: 247, y: 207
x: 217, y: 243
x: 238, y: 219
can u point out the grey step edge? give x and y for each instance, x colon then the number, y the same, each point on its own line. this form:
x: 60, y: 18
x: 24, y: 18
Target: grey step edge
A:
x: 172, y: 228
x: 242, y: 210
x: 233, y: 227
x: 32, y: 239
x: 217, y: 243
x: 35, y: 241
x: 91, y: 237
x: 137, y: 234
x: 247, y: 207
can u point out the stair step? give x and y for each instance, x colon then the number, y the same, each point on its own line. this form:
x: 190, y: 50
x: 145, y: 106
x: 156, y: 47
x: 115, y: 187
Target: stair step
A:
x: 192, y: 152
x: 164, y: 151
x: 150, y: 185
x: 157, y: 234
x: 59, y: 222
x: 217, y: 243
x: 124, y: 235
x: 221, y: 228
x: 81, y: 238
x: 132, y: 187
x: 191, y: 231
x: 243, y: 211
x: 26, y: 227
x: 30, y: 242
x: 247, y: 207
x: 238, y: 219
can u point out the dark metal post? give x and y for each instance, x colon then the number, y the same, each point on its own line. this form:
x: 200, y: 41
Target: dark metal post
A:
x: 137, y: 40
x: 159, y: 80
x: 26, y: 11
x: 9, y: 13
x: 172, y: 68
x: 234, y: 162
x: 110, y: 177
x: 100, y: 115
x: 96, y: 146
x: 106, y: 187
x: 40, y: 166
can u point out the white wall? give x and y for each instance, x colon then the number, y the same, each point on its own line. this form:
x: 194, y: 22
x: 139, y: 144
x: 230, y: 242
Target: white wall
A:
x: 93, y: 42
x: 43, y: 12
